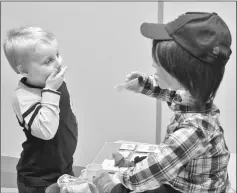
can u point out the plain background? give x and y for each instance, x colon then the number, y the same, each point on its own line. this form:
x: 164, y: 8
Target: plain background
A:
x: 101, y: 43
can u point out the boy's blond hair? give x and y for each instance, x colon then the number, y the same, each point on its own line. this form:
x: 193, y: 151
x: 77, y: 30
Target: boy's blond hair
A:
x: 20, y: 42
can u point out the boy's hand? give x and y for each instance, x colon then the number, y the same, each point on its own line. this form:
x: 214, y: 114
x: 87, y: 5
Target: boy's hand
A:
x: 133, y: 75
x: 55, y: 79
x: 131, y: 82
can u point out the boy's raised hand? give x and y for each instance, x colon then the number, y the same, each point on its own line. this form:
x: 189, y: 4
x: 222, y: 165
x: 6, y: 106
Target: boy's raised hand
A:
x: 133, y: 75
x: 55, y: 79
x: 131, y: 82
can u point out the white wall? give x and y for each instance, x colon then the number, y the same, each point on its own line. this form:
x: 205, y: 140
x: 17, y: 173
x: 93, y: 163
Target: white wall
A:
x: 100, y: 43
x: 226, y: 96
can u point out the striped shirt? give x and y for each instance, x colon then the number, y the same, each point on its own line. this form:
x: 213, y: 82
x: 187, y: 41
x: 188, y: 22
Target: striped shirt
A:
x: 193, y: 157
x: 51, y: 131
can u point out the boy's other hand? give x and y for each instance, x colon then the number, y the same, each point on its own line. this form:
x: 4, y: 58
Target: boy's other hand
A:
x: 55, y: 79
x: 102, y: 181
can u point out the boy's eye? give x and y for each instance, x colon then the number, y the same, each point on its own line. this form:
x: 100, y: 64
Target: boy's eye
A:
x: 48, y: 61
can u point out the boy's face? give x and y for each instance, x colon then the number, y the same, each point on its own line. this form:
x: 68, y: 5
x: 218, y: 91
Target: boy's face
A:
x: 42, y: 61
x: 165, y: 80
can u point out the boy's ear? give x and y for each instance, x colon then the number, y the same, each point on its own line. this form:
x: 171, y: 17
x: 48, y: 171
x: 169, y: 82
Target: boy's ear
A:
x: 21, y: 70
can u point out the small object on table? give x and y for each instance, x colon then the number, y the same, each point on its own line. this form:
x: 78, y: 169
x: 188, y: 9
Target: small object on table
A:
x: 108, y: 166
x: 67, y: 179
x: 125, y: 153
x: 128, y: 146
x: 138, y: 156
x: 147, y: 148
x: 120, y: 161
x: 72, y: 184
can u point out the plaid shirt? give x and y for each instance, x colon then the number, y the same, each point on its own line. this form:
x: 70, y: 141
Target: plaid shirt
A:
x: 193, y: 157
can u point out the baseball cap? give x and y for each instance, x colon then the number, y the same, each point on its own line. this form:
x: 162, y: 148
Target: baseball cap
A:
x: 204, y: 35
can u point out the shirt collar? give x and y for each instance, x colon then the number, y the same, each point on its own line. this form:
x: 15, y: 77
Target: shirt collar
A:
x: 185, y: 103
x: 24, y: 81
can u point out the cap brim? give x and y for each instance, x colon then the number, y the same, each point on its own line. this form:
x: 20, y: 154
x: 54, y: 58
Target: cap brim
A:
x: 155, y: 31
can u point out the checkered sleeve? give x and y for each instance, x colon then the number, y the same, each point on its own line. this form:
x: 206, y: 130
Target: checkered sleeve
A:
x: 149, y: 87
x: 164, y: 165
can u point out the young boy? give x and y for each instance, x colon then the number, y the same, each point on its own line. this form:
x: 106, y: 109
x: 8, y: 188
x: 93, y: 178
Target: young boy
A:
x: 42, y: 106
x: 190, y: 54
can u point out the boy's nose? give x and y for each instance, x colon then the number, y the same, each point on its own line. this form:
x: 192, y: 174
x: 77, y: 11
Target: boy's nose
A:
x: 59, y: 60
x: 59, y: 63
x: 58, y: 66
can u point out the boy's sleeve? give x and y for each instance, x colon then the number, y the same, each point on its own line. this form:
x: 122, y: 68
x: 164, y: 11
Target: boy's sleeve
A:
x: 148, y: 87
x: 38, y: 114
x: 164, y: 165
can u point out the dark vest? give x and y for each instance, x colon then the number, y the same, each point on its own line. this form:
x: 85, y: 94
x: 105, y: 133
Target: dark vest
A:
x: 42, y: 162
